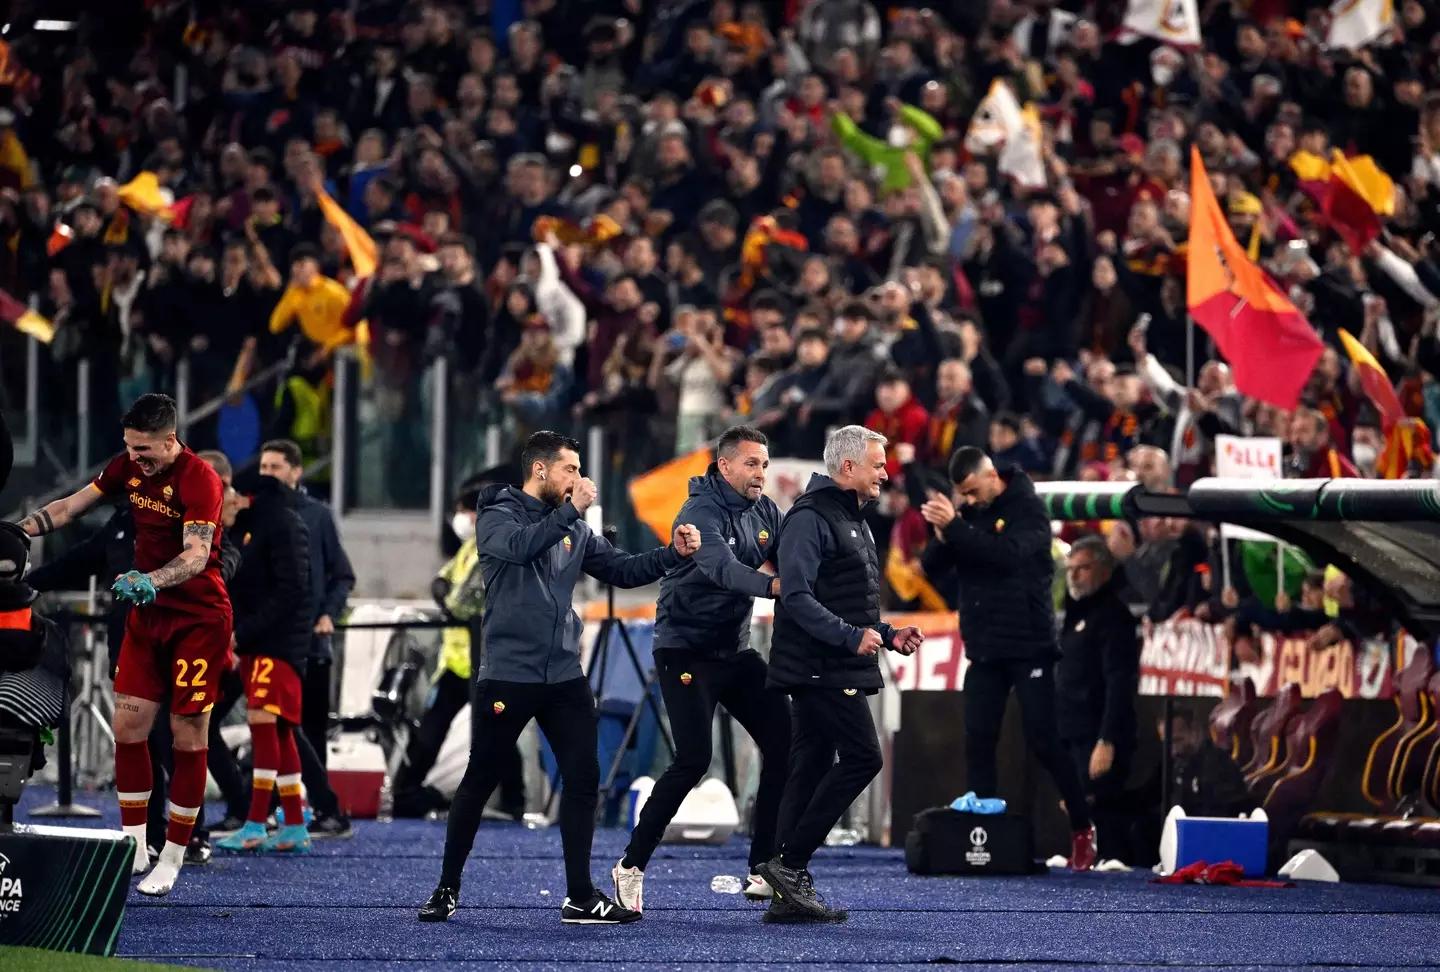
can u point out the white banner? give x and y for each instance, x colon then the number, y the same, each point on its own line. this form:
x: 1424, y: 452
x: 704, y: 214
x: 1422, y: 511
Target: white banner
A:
x: 1240, y: 458
x: 788, y: 478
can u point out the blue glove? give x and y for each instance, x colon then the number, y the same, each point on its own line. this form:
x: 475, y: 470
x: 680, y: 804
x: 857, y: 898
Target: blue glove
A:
x: 970, y: 803
x: 134, y: 587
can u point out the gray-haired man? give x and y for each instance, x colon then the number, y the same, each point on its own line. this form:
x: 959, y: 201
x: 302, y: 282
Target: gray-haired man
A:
x: 823, y: 652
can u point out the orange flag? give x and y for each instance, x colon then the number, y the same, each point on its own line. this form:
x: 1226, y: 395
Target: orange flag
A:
x: 1270, y: 346
x: 658, y: 494
x: 1374, y: 380
x: 363, y: 256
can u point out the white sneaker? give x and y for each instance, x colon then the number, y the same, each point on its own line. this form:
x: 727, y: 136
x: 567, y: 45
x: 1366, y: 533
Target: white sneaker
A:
x: 629, y: 886
x: 161, y: 880
x: 758, y: 889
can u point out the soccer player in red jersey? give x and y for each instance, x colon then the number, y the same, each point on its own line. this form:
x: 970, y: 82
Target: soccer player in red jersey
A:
x: 177, y: 638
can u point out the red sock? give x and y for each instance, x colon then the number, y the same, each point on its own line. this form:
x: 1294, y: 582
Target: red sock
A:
x: 133, y: 782
x: 265, y: 747
x: 289, y: 778
x: 187, y: 792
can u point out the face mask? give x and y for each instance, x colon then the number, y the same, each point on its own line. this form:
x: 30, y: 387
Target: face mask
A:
x: 1162, y: 74
x: 464, y: 526
x: 1365, y: 455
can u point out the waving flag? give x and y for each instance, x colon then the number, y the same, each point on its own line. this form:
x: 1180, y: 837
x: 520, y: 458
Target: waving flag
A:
x: 1174, y: 22
x: 1355, y: 23
x: 659, y: 494
x: 358, y: 243
x: 1271, y: 348
x: 1000, y: 122
x: 1374, y: 380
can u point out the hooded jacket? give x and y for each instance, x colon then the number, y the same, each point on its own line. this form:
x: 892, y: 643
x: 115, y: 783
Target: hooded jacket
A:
x: 1099, y: 670
x: 706, y: 602
x: 531, y: 556
x: 271, y: 594
x: 829, y: 593
x: 1001, y: 558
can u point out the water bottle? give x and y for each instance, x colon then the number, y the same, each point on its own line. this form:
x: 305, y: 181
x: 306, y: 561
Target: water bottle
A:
x: 725, y: 884
x: 386, y: 813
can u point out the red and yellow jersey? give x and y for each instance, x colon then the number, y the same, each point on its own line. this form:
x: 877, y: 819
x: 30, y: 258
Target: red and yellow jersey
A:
x: 162, y: 505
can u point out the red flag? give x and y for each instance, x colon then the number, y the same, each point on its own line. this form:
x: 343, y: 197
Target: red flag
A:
x: 1271, y: 348
x: 1374, y: 380
x: 1350, y: 215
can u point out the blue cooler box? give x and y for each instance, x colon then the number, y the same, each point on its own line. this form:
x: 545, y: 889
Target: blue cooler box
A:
x: 1216, y: 839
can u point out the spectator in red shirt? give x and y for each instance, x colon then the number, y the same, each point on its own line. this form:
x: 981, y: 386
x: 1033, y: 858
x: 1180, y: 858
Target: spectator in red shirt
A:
x: 898, y: 417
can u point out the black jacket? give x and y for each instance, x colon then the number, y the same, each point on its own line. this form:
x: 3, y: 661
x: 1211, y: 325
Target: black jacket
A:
x: 531, y: 557
x: 1209, y: 784
x: 331, y: 576
x: 829, y: 593
x: 1002, y: 560
x: 274, y: 608
x: 706, y: 602
x: 1099, y: 671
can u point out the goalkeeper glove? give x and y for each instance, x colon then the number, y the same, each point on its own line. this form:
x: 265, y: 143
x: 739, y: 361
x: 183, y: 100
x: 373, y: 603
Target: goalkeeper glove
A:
x: 134, y: 587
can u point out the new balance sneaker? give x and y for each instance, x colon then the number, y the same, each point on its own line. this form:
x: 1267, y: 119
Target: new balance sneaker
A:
x: 795, y: 899
x: 758, y: 889
x: 289, y: 840
x: 629, y: 886
x: 197, y: 854
x: 1082, y: 849
x: 442, y: 904
x: 597, y: 910
x: 280, y: 816
x: 250, y: 837
x: 325, y: 827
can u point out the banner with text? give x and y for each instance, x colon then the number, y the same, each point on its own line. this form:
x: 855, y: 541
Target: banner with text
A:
x: 1191, y: 657
x: 1242, y: 458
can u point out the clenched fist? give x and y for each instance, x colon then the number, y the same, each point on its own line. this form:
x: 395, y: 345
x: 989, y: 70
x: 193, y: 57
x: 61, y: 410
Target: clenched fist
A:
x: 870, y: 642
x: 583, y: 495
x: 907, y: 640
x: 686, y: 540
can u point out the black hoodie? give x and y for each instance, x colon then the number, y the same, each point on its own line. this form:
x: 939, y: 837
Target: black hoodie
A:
x: 706, y: 602
x: 270, y: 592
x: 1099, y: 670
x: 531, y: 556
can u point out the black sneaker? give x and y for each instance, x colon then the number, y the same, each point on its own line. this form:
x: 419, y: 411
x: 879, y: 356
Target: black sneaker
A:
x: 597, y: 910
x: 332, y: 828
x: 795, y: 899
x: 228, y: 826
x: 197, y: 853
x: 442, y: 904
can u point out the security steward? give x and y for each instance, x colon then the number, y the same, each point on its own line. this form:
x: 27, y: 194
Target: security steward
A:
x: 1000, y: 552
x: 1096, y: 682
x: 823, y: 652
x: 534, y: 545
x: 703, y: 654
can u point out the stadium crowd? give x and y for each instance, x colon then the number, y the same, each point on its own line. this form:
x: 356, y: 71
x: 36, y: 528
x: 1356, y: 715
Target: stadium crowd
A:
x: 668, y: 217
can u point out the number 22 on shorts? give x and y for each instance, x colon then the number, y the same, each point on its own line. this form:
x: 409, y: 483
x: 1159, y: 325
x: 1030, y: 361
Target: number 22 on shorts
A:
x: 194, y: 671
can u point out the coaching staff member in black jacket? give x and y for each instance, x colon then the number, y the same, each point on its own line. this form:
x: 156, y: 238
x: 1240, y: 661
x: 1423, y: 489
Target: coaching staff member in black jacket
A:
x: 704, y: 658
x: 1000, y: 552
x: 823, y: 652
x: 534, y: 545
x: 1096, y: 681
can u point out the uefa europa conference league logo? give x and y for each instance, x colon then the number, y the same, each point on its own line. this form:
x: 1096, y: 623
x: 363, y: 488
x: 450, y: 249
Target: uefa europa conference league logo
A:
x: 977, y: 855
x: 9, y: 889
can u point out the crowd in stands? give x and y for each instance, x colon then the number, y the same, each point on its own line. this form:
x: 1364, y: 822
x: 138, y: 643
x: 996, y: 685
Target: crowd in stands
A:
x: 672, y: 215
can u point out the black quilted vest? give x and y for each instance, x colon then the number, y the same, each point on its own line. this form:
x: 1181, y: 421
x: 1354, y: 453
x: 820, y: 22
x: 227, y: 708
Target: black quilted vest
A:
x: 847, y: 585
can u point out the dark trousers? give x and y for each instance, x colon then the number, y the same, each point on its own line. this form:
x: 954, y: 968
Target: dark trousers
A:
x: 315, y: 706
x: 566, y: 714
x: 692, y: 686
x: 234, y: 787
x: 987, y: 689
x: 824, y: 723
x: 1109, y: 806
x: 412, y: 799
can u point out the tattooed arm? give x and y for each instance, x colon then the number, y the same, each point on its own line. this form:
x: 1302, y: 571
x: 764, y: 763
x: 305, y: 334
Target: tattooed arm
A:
x: 192, y: 560
x: 50, y: 518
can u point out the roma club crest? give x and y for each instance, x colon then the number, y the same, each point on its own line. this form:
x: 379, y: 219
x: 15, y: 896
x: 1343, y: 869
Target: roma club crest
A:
x: 499, y: 707
x: 566, y: 541
x: 168, y: 492
x: 685, y: 678
x: 764, y: 537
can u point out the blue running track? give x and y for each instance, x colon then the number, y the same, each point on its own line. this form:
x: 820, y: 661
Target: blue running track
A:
x: 350, y: 907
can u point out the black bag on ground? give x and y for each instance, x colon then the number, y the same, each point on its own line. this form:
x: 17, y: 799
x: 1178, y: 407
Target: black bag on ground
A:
x: 945, y: 841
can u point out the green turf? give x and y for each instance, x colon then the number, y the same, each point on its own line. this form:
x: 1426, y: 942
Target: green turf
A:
x: 36, y: 960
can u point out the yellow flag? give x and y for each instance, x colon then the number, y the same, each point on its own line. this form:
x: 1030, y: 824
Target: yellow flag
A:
x: 659, y: 494
x: 1367, y: 179
x: 143, y: 195
x: 358, y: 242
x: 36, y: 326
